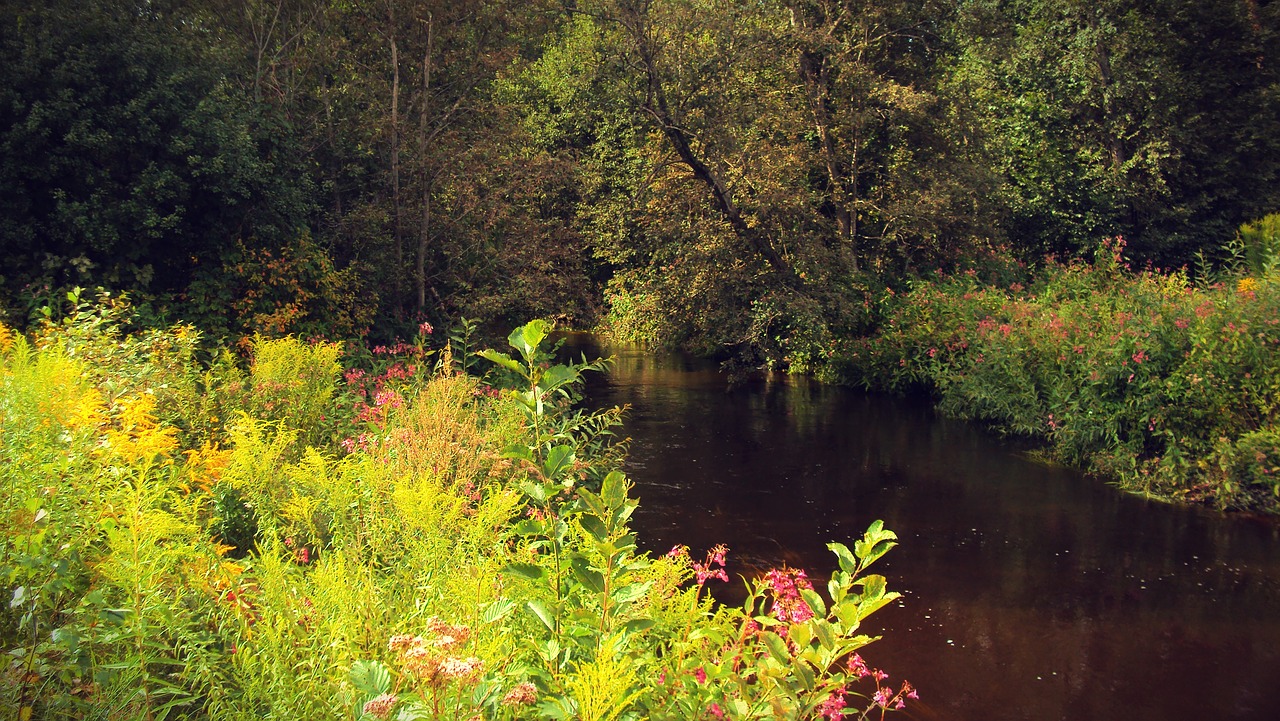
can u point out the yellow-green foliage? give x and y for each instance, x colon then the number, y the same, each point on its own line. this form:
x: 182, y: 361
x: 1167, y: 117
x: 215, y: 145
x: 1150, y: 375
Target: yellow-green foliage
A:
x: 105, y: 523
x: 1173, y: 389
x: 294, y: 382
x: 159, y: 566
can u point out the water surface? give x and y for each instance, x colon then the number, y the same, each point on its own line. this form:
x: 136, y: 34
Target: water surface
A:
x: 1030, y: 592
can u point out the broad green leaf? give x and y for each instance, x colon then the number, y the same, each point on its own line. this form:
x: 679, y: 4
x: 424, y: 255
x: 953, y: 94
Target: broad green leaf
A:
x: 559, y: 458
x: 536, y: 491
x: 497, y: 610
x: 503, y: 360
x: 637, y: 624
x: 529, y: 336
x: 826, y: 636
x: 370, y: 678
x: 614, y: 489
x: 540, y: 610
x: 804, y: 673
x: 530, y: 571
x: 631, y: 592
x: 557, y: 377
x: 848, y: 563
x: 814, y: 602
x: 594, y: 526
x: 589, y: 577
x: 800, y: 634
x: 777, y: 647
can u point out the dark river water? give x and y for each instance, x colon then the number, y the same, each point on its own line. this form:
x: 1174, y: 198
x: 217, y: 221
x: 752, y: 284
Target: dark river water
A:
x: 1030, y: 592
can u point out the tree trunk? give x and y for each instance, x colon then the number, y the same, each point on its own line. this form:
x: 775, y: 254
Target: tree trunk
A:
x: 655, y: 105
x: 397, y: 237
x: 424, y: 236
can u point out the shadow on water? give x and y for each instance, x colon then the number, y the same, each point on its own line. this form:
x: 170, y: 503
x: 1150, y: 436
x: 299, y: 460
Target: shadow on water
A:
x: 1030, y: 592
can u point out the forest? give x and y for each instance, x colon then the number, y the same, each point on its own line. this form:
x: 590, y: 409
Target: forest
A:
x: 270, y: 451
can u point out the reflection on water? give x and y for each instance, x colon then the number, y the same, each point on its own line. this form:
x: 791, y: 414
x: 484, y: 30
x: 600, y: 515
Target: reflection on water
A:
x: 1030, y: 591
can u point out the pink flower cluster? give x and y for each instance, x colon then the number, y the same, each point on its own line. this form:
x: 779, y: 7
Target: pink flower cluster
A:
x: 429, y: 659
x: 884, y: 697
x: 708, y: 568
x: 785, y: 585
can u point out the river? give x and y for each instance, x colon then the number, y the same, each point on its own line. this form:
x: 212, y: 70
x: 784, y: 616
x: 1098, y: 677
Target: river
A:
x: 1029, y: 591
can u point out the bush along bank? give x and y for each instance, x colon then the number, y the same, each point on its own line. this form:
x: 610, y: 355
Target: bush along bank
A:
x: 182, y: 539
x: 1140, y: 376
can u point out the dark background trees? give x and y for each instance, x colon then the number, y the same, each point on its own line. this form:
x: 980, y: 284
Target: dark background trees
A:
x: 731, y: 177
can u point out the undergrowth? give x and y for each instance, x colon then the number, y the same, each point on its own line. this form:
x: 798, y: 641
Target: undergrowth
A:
x: 1170, y: 387
x: 292, y: 539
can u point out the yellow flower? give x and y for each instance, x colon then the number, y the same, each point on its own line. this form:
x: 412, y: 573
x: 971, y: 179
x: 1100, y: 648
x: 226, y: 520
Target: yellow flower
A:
x: 1246, y: 285
x: 7, y: 337
x: 139, y: 437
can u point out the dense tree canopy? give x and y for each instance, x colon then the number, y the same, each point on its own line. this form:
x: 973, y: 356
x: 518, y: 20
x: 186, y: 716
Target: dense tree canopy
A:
x: 732, y: 177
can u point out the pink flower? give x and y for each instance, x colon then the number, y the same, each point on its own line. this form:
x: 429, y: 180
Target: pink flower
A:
x: 883, y: 696
x: 716, y: 710
x: 788, y: 604
x: 523, y: 694
x: 858, y: 667
x: 380, y: 707
x: 700, y: 675
x: 833, y: 708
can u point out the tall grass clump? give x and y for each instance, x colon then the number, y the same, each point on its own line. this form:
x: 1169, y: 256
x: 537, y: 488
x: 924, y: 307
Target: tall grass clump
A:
x: 1169, y: 387
x: 291, y: 539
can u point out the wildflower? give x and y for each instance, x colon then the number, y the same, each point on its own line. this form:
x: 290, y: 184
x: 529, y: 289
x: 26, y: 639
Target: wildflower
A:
x: 833, y: 708
x: 422, y: 663
x: 715, y: 710
x: 706, y: 570
x: 522, y: 694
x: 447, y: 636
x: 858, y: 667
x: 788, y: 605
x: 381, y: 706
x: 461, y: 668
x: 425, y: 328
x: 700, y: 675
x: 403, y: 641
x: 883, y: 696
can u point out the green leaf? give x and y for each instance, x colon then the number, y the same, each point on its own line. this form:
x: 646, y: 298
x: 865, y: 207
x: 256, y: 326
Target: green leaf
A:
x: 413, y: 712
x: 848, y: 563
x: 531, y: 571
x: 592, y: 502
x: 637, y: 624
x: 557, y: 377
x: 370, y: 678
x: 631, y: 592
x: 826, y: 636
x: 614, y: 489
x: 497, y: 610
x: 536, y: 491
x: 814, y: 602
x: 802, y: 671
x: 528, y: 337
x: 558, y: 459
x: 589, y: 577
x: 777, y: 647
x: 503, y: 360
x: 540, y: 610
x: 875, y: 543
x: 594, y: 526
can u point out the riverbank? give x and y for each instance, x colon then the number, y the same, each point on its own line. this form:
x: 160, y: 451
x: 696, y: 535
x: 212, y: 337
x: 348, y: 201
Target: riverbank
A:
x: 1170, y: 388
x: 303, y: 538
